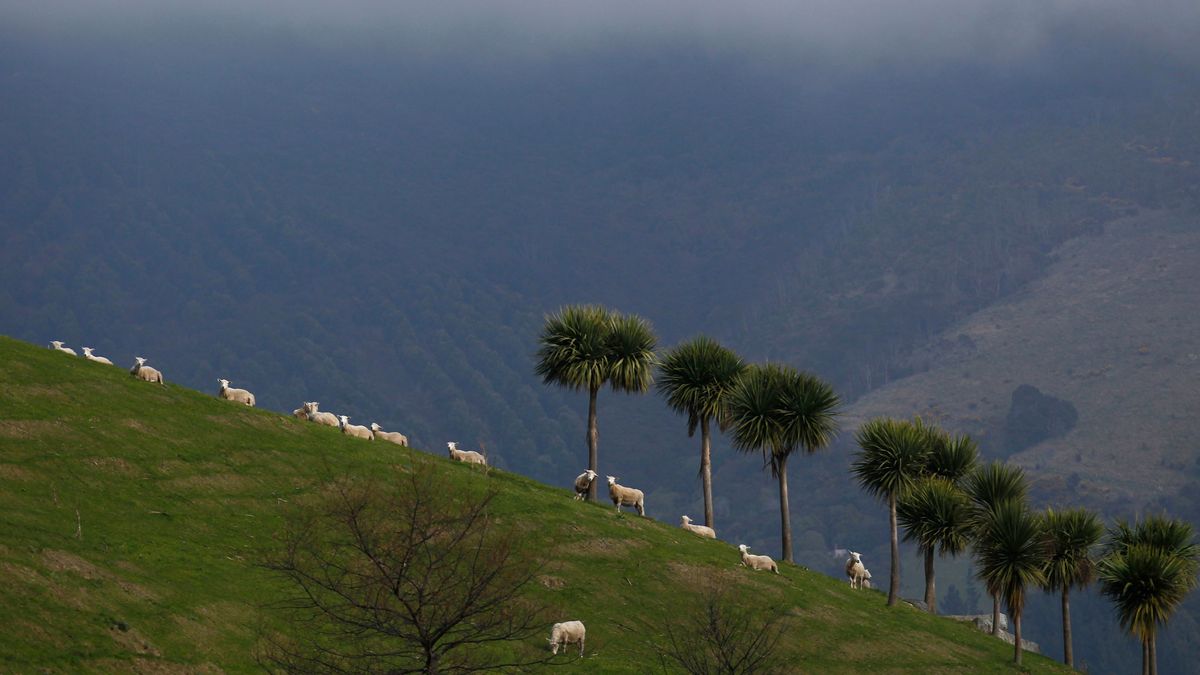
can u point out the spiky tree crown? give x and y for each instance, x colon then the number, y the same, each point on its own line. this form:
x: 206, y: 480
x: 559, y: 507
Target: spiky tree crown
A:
x: 696, y: 378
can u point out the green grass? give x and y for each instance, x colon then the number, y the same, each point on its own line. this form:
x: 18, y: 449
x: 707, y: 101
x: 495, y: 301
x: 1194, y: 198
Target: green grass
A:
x: 132, y: 517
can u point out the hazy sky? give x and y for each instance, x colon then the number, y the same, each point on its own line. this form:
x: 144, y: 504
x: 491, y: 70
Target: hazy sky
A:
x: 845, y: 32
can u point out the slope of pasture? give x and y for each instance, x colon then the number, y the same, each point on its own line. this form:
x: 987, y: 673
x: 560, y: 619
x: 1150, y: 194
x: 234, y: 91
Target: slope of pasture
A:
x: 132, y: 517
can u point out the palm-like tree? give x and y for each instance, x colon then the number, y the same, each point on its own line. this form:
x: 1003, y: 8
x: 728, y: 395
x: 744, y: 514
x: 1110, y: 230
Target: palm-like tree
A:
x: 951, y: 457
x: 1149, y: 569
x: 1070, y: 537
x: 1012, y: 555
x: 892, y: 458
x: 696, y: 378
x: 588, y: 346
x: 935, y: 514
x: 988, y: 487
x: 777, y: 410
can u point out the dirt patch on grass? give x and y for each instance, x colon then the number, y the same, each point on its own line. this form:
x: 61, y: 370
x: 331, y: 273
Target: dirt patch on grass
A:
x: 114, y: 466
x: 602, y: 546
x: 24, y: 429
x: 63, y: 561
x: 273, y: 423
x: 706, y: 577
x: 22, y: 575
x: 552, y: 582
x: 15, y: 472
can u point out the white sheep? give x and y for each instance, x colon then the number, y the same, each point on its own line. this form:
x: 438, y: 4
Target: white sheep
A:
x: 393, y: 436
x: 857, y: 572
x: 468, y: 456
x: 757, y: 562
x: 355, y: 430
x: 142, y: 371
x: 301, y: 413
x: 583, y: 483
x: 315, y: 415
x: 565, y: 633
x: 702, y: 530
x: 57, y: 345
x: 87, y: 354
x: 623, y: 496
x: 231, y: 394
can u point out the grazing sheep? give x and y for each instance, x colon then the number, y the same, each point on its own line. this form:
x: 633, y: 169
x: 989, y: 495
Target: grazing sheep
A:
x: 231, y: 394
x: 57, y: 345
x: 757, y: 562
x: 565, y: 633
x: 393, y: 436
x: 857, y: 572
x: 468, y: 456
x: 583, y: 483
x: 315, y: 415
x: 142, y: 371
x: 702, y: 530
x: 355, y: 430
x: 623, y: 496
x: 87, y: 354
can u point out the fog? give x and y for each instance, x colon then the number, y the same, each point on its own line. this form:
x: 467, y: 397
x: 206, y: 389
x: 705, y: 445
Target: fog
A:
x: 846, y: 33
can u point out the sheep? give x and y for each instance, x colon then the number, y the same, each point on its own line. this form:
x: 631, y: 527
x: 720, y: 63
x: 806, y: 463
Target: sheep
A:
x: 468, y: 456
x: 356, y: 430
x: 315, y: 415
x: 231, y: 394
x: 145, y: 372
x: 87, y: 354
x: 623, y: 496
x: 583, y: 483
x: 393, y: 436
x: 301, y: 413
x: 565, y: 633
x: 702, y: 530
x: 757, y: 562
x: 57, y: 345
x: 857, y: 572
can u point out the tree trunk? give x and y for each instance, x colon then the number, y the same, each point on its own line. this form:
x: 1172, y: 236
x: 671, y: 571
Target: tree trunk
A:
x: 1068, y: 657
x: 431, y: 662
x: 593, y: 441
x: 1016, y: 619
x: 1153, y: 654
x: 785, y: 518
x: 894, y: 583
x: 1145, y: 657
x: 995, y: 614
x: 706, y: 471
x: 930, y: 583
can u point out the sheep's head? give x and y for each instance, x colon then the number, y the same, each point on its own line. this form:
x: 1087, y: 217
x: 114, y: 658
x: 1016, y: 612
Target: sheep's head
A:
x: 612, y: 480
x: 87, y: 350
x: 141, y: 361
x: 224, y: 383
x: 56, y: 343
x: 591, y: 475
x: 685, y: 520
x: 453, y: 445
x: 856, y: 557
x: 344, y: 418
x: 375, y: 427
x: 743, y: 548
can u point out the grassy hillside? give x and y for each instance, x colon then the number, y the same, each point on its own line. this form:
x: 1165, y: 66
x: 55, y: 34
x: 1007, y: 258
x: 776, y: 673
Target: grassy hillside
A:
x: 132, y: 516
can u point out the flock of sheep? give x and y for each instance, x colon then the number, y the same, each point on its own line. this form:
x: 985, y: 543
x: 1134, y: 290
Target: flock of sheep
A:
x: 561, y: 634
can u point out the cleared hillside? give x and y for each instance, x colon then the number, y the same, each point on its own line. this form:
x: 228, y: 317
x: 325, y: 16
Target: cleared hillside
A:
x: 133, y: 517
x: 1111, y: 328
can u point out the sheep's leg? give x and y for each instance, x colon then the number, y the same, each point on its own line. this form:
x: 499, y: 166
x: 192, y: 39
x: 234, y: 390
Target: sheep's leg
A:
x: 581, y: 648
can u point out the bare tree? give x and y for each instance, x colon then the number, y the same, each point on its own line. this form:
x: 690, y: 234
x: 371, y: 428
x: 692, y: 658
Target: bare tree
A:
x: 721, y: 636
x: 411, y: 575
